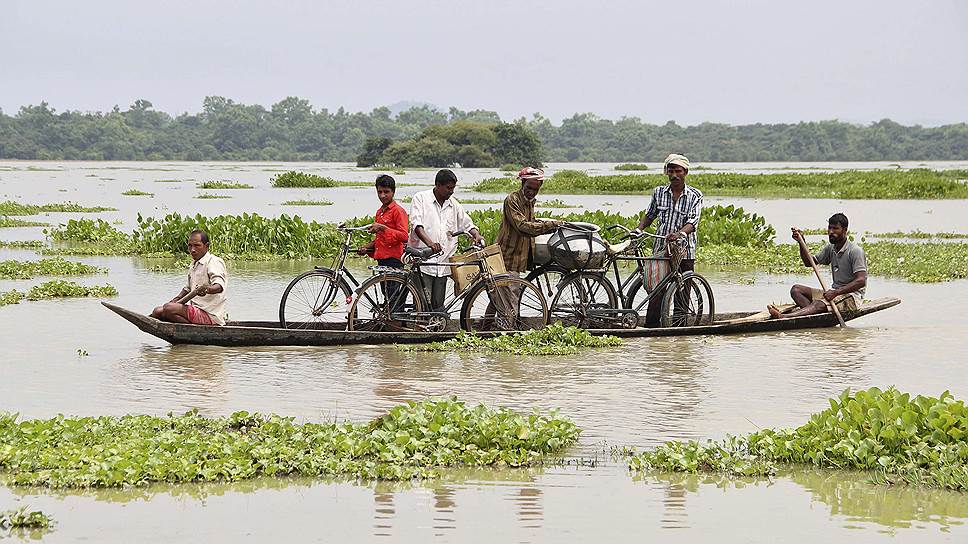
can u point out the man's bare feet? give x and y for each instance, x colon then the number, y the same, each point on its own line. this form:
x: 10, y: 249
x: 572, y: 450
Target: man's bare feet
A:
x: 774, y: 312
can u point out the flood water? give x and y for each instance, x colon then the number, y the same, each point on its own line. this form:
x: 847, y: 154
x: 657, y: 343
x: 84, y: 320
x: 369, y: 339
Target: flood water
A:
x: 640, y: 394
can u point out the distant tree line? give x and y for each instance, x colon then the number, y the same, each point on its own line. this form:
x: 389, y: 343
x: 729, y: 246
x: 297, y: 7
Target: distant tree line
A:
x: 293, y: 130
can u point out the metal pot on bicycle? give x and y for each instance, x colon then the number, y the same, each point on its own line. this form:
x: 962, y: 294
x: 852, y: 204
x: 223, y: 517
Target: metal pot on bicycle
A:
x: 575, y: 246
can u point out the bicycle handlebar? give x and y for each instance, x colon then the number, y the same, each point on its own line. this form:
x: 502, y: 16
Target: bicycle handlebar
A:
x: 344, y: 228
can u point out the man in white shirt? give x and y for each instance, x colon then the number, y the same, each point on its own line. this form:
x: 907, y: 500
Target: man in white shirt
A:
x: 434, y: 216
x: 206, y: 279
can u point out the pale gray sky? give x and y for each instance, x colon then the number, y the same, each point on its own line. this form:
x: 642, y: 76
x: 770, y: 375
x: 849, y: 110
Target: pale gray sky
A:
x: 741, y: 61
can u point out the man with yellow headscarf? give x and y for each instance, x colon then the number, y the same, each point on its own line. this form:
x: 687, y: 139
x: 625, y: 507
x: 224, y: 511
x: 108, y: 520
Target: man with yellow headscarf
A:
x: 677, y: 206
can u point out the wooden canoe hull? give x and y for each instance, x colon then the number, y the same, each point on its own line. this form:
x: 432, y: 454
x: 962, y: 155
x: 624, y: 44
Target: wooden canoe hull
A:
x: 268, y: 333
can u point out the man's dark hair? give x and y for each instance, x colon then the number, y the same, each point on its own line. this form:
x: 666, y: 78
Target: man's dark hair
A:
x: 838, y: 219
x: 445, y: 176
x: 383, y: 180
x: 201, y: 233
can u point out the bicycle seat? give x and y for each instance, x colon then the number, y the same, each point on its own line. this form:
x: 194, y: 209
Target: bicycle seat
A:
x: 418, y: 252
x: 615, y: 249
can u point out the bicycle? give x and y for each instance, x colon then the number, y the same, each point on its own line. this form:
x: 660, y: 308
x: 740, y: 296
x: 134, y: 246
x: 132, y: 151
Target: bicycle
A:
x: 587, y: 298
x: 395, y: 299
x: 321, y: 297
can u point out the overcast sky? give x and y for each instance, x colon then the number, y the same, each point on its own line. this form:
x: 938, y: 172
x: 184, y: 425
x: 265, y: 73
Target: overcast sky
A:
x: 689, y: 61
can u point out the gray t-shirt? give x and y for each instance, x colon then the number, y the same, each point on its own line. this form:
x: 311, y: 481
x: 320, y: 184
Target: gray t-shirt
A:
x: 844, y: 263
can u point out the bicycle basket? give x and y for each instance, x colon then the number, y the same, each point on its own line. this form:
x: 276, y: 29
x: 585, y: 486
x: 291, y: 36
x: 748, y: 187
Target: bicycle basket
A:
x: 576, y: 249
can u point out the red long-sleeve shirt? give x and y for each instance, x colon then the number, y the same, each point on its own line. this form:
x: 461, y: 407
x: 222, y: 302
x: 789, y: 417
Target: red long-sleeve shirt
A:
x: 389, y: 243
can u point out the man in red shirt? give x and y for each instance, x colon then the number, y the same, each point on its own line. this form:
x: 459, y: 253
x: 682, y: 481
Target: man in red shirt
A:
x: 389, y: 225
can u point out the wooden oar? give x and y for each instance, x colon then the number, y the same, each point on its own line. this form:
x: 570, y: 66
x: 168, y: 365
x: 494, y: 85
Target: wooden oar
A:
x: 803, y: 244
x: 189, y: 296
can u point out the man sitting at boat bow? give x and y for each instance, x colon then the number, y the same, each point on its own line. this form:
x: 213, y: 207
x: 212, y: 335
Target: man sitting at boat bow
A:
x: 206, y: 284
x: 848, y: 265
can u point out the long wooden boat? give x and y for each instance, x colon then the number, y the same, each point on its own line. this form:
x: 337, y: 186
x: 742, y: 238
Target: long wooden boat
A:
x: 269, y: 333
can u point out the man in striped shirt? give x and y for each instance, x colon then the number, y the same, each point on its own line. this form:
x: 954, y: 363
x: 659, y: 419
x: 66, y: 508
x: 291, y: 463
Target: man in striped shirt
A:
x: 677, y: 207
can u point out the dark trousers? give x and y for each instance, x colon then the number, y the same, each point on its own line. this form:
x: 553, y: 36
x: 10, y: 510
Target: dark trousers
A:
x: 435, y: 288
x: 655, y: 303
x: 393, y: 289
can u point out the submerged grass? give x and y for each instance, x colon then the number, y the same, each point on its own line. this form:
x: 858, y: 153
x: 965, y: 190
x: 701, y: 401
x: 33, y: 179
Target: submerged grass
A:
x: 554, y: 339
x: 25, y: 270
x: 876, y: 184
x: 409, y: 441
x: 9, y: 207
x: 902, y: 439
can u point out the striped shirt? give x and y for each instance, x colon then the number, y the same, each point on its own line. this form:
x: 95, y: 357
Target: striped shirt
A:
x: 518, y: 229
x: 673, y: 215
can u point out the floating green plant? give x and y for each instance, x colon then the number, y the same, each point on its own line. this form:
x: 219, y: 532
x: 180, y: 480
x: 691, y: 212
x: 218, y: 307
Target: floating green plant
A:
x: 307, y: 203
x: 24, y: 270
x: 631, y: 166
x: 135, y: 192
x: 10, y: 297
x: 852, y: 184
x: 10, y: 207
x: 66, y: 289
x: 23, y: 244
x: 303, y: 179
x: 409, y: 441
x: 902, y: 439
x: 210, y: 196
x: 554, y: 339
x: 223, y: 184
x: 25, y: 519
x: 6, y: 222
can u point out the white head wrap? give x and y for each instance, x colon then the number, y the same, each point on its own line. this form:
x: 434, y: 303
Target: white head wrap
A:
x: 680, y: 160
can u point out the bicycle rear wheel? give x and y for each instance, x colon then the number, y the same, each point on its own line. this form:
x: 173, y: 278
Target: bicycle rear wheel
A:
x: 688, y: 303
x: 547, y: 278
x: 511, y: 304
x: 385, y: 302
x: 579, y: 295
x: 314, y: 300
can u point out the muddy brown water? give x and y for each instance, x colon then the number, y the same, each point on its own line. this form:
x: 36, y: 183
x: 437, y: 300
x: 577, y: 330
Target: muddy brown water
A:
x: 647, y: 391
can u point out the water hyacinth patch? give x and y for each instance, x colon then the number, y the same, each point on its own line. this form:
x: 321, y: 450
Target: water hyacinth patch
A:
x: 10, y: 207
x: 312, y: 181
x: 68, y: 289
x: 223, y: 184
x: 10, y: 297
x: 23, y: 244
x: 851, y: 184
x: 25, y: 519
x: 135, y: 192
x: 307, y: 203
x: 409, y: 441
x: 555, y: 339
x: 631, y: 166
x: 210, y: 196
x: 903, y: 439
x: 24, y: 270
x: 7, y: 222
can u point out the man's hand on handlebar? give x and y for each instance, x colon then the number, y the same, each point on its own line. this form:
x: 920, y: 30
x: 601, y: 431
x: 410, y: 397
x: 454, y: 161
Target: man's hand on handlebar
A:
x: 436, y: 247
x: 675, y: 236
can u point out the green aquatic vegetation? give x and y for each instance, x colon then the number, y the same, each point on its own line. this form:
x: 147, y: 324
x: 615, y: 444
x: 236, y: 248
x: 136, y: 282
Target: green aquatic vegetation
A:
x: 210, y: 196
x: 6, y: 222
x: 24, y: 270
x: 89, y: 230
x: 23, y: 244
x: 632, y: 166
x: 409, y: 441
x: 554, y: 339
x: 135, y: 192
x: 10, y: 207
x: 223, y: 184
x: 307, y: 203
x: 69, y: 289
x: 852, y: 184
x: 25, y: 519
x: 555, y: 203
x: 902, y: 439
x: 917, y: 234
x: 10, y: 297
x: 168, y: 181
x: 302, y: 179
x: 926, y: 262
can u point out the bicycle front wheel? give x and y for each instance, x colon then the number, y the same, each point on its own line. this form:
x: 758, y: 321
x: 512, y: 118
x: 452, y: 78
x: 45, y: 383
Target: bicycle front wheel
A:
x: 510, y: 304
x: 314, y: 300
x: 688, y: 303
x: 386, y: 302
x: 579, y: 295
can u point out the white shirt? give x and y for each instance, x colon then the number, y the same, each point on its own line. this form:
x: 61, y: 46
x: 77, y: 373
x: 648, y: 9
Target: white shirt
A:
x: 438, y: 221
x: 209, y: 270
